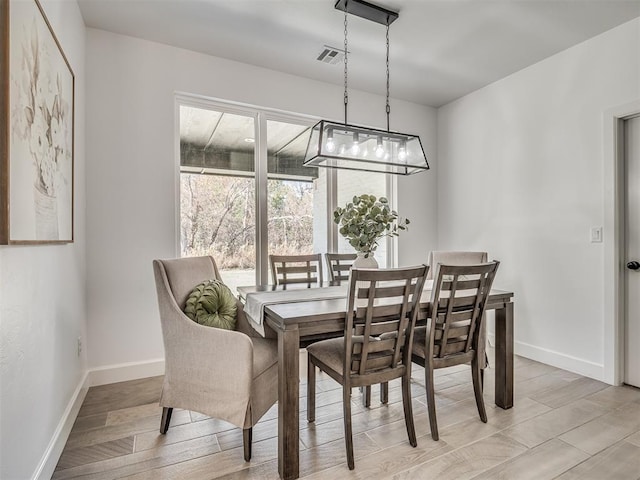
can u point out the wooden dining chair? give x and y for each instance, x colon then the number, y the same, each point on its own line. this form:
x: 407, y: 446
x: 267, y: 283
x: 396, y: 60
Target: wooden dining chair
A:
x: 382, y: 306
x: 339, y: 265
x: 287, y: 269
x: 453, y: 257
x: 462, y: 257
x: 454, y: 321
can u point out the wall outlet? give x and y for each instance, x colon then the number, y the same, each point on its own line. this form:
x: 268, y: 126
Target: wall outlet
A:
x: 79, y: 345
x: 596, y: 234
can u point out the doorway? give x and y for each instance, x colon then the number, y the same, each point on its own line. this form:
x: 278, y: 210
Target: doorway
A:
x: 631, y: 257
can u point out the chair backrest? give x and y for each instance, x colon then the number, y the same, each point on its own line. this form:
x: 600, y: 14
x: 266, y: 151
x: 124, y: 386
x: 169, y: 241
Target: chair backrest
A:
x: 458, y: 300
x: 287, y: 269
x: 339, y: 265
x: 182, y: 274
x: 382, y: 308
x: 453, y: 258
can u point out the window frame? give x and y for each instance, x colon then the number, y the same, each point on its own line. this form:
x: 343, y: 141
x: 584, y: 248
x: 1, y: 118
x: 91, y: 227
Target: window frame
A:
x: 261, y: 116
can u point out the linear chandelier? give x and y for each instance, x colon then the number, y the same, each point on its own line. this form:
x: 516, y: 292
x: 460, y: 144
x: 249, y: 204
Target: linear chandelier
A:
x: 341, y: 145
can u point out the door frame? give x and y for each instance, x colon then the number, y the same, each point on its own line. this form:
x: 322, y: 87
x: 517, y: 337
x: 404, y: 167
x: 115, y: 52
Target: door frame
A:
x: 614, y: 239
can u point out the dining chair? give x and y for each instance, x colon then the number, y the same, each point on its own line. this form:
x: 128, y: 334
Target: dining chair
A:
x: 453, y: 257
x: 454, y: 322
x: 339, y: 265
x: 382, y: 307
x: 461, y: 257
x: 227, y: 374
x: 288, y: 269
x: 450, y: 258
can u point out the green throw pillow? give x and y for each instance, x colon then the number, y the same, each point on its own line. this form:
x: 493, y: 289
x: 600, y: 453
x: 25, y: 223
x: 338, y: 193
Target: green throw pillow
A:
x: 211, y: 303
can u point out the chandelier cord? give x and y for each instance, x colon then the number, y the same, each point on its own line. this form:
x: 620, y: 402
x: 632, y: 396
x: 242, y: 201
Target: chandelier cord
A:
x: 388, y: 107
x: 346, y: 53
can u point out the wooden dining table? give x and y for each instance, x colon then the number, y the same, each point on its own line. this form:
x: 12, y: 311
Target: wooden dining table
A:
x: 300, y: 323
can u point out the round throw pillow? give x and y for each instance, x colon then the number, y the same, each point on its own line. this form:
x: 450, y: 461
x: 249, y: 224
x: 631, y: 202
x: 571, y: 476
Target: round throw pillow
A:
x: 211, y: 303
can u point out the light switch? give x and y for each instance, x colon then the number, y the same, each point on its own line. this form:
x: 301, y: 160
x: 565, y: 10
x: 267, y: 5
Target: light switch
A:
x: 596, y: 234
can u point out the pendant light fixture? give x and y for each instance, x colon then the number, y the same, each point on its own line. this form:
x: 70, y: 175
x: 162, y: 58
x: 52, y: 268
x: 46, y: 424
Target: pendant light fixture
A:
x: 351, y: 147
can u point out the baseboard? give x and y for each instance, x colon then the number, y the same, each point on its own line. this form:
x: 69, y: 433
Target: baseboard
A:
x: 49, y: 460
x: 98, y: 376
x: 126, y: 371
x: 556, y: 359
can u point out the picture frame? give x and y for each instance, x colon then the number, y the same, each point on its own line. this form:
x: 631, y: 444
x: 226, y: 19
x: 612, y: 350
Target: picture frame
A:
x: 37, y: 89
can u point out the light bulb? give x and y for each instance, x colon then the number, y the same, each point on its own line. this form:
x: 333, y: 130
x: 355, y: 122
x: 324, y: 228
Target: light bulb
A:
x: 330, y: 145
x: 402, y: 152
x: 379, y: 148
x: 355, y: 148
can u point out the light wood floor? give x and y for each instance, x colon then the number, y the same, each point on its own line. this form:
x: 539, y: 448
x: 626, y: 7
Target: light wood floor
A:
x: 563, y: 426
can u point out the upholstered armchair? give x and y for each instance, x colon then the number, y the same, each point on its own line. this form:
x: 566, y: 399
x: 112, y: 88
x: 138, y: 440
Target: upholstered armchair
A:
x: 225, y: 374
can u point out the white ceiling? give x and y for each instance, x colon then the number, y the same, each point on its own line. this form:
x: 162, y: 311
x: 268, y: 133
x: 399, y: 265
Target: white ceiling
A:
x: 440, y: 49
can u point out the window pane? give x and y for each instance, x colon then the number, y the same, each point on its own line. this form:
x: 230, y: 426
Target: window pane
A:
x: 217, y: 191
x: 296, y: 194
x: 353, y: 183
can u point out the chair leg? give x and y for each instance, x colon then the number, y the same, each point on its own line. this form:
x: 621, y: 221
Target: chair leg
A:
x: 431, y: 401
x: 477, y: 388
x: 348, y: 437
x: 247, y: 434
x: 311, y: 390
x: 366, y: 395
x: 384, y: 392
x: 166, y: 418
x: 408, y: 410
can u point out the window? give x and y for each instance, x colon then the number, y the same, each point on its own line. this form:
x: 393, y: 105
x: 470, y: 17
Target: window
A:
x: 244, y: 193
x: 293, y: 199
x: 352, y: 183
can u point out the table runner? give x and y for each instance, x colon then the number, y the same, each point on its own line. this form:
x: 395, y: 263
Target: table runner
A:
x: 256, y: 301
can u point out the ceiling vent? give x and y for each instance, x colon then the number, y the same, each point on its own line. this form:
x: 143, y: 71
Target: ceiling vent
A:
x: 331, y: 55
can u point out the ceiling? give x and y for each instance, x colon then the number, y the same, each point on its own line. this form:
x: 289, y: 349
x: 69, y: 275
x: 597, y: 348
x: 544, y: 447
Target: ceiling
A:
x: 440, y: 49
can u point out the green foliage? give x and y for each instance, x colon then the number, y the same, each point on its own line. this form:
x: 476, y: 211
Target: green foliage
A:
x: 365, y: 220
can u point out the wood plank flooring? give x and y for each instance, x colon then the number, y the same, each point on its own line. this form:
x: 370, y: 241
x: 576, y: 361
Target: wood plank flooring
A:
x: 563, y: 426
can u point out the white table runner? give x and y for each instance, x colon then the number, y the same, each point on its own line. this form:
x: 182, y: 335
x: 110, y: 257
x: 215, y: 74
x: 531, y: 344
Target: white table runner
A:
x: 256, y: 301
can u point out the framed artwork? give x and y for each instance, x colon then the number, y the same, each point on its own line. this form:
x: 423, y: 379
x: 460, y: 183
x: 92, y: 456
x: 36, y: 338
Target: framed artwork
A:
x: 37, y: 129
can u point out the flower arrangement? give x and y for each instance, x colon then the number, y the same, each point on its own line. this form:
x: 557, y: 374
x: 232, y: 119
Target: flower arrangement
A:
x: 43, y: 116
x: 367, y: 219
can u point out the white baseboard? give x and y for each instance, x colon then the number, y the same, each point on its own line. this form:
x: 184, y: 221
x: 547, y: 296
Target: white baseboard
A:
x: 95, y: 377
x: 49, y: 460
x: 125, y: 371
x: 557, y: 359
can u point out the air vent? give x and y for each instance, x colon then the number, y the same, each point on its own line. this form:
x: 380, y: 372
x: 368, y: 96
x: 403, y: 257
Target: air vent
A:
x: 331, y: 55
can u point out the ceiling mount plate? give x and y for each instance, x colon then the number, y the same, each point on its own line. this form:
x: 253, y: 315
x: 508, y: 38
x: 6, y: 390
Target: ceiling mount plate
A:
x: 367, y: 10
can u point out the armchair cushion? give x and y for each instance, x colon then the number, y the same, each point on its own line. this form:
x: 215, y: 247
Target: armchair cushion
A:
x: 212, y: 304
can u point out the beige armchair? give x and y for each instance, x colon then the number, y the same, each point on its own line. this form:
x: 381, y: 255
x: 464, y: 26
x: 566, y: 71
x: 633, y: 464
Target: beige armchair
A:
x: 230, y: 375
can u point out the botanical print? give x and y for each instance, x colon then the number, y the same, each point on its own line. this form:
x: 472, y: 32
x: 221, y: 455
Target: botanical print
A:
x: 41, y: 145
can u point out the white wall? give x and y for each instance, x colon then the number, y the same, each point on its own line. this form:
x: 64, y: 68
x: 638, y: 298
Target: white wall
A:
x: 131, y: 173
x: 521, y: 175
x: 43, y: 311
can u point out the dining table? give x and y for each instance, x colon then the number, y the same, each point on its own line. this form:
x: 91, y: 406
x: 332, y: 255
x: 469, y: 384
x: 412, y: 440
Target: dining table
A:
x: 302, y: 320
